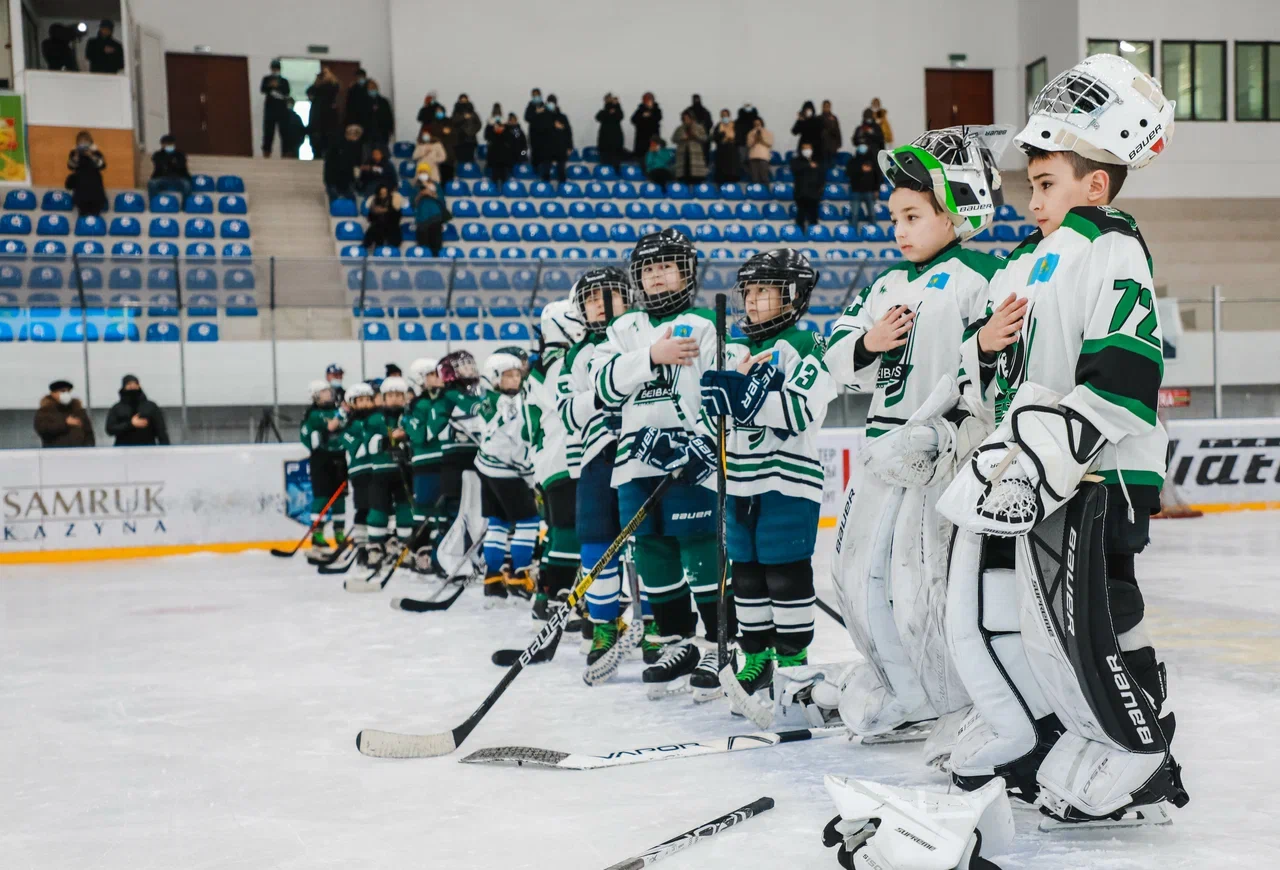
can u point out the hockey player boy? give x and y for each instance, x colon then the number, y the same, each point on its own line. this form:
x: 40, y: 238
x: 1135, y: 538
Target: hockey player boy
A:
x: 321, y: 433
x: 650, y: 365
x: 774, y: 397
x: 457, y: 419
x: 388, y: 491
x: 507, y: 500
x: 1072, y: 360
x: 426, y: 451
x: 359, y: 400
x: 899, y: 339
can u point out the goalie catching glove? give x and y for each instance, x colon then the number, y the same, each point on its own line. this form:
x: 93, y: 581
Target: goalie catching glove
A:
x: 737, y: 395
x: 926, y: 448
x: 1027, y: 469
x: 669, y: 450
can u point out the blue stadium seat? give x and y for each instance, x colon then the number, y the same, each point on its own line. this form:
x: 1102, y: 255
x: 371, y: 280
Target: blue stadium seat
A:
x: 162, y: 278
x: 89, y: 250
x: 343, y: 207
x: 732, y: 192
x: 37, y: 331
x: 202, y: 305
x: 790, y: 235
x: 56, y: 200
x: 523, y: 171
x: 201, y: 183
x: 597, y: 190
x: 625, y: 190
x: 466, y: 208
x: 20, y: 199
x: 238, y: 279
x: 15, y: 224
x: 452, y: 252
x: 543, y: 252
x: 835, y: 175
x: 523, y: 210
x: 230, y: 184
x: 117, y: 331
x: 591, y: 154
x: 402, y: 150
x: 534, y: 233
x: 362, y: 278
x: 708, y: 233
x: 882, y: 212
x: 581, y: 210
x: 542, y: 190
x: 385, y: 252
x: 623, y: 233
x: 396, y: 279
x: 714, y: 279
x: 871, y: 233
x: 722, y: 253
x: 638, y: 211
x: 125, y: 305
x: 783, y: 192
x: 125, y: 226
x: 604, y: 253
x: 162, y: 332
x: 479, y: 332
x: 404, y: 306
x: 446, y: 332
x: 985, y: 236
x: 706, y: 191
x: 124, y: 278
x: 348, y: 231
x: 863, y: 254
x: 10, y: 276
x: 44, y: 304
x: 1004, y: 233
x: 494, y: 279
x: 469, y: 170
x: 604, y: 173
x: 632, y: 172
x: 199, y: 203
x: 411, y: 331
x: 241, y: 305
x: 552, y: 211
x: 6, y: 332
x: 665, y: 212
x: 165, y: 203
x: 200, y: 332
x: 49, y: 249
x: 163, y: 228
x: 676, y: 190
x: 505, y: 233
x: 758, y: 192
x: 574, y: 253
x: 818, y: 233
x: 594, y: 232
x: 885, y: 190
x: 845, y: 233
x: 234, y: 228
x: 493, y: 208
x: 895, y: 254
x: 417, y: 252
x: 457, y: 188
x: 45, y: 278
x: 464, y: 279
x: 764, y: 234
x: 475, y: 232
x: 556, y: 280
x: 649, y: 190
x: 201, y: 251
x: 577, y: 172
x: 236, y: 251
x: 648, y: 229
x: 513, y: 253
x: 201, y: 279
x: 828, y: 212
x: 485, y: 189
x: 481, y: 252
x: 718, y: 211
x: 90, y: 279
x: 428, y: 279
x: 569, y: 190
x: 1006, y: 212
x: 53, y: 225
x: 693, y: 211
x: 513, y: 332
x: 198, y: 228
x: 406, y: 169
x: 563, y: 232
x: 514, y: 189
x: 776, y: 211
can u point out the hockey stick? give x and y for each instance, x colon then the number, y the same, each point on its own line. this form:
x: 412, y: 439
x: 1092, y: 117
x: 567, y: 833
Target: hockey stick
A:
x: 829, y: 611
x: 384, y: 744
x: 341, y: 563
x: 413, y: 605
x: 688, y: 838
x: 722, y: 551
x: 522, y: 755
x: 371, y: 583
x: 319, y: 521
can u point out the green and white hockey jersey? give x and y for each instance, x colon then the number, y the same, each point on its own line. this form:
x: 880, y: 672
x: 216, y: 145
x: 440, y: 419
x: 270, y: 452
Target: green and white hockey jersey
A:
x: 779, y: 451
x: 546, y: 429
x: 664, y: 397
x: 458, y: 420
x: 505, y: 449
x: 946, y: 294
x: 585, y: 431
x: 1091, y: 333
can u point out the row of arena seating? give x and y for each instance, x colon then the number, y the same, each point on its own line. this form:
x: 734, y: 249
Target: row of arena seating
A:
x: 508, y: 331
x: 578, y: 172
x: 125, y: 226
x: 580, y: 210
x: 114, y: 331
x: 624, y: 190
x: 123, y: 278
x: 53, y: 249
x: 591, y: 154
x: 23, y: 200
x: 352, y: 253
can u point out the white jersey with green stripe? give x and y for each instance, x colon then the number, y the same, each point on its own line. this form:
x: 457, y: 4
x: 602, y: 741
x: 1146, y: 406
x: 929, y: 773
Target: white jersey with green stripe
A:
x: 547, y: 431
x: 661, y: 396
x: 779, y: 451
x: 585, y: 431
x: 504, y: 444
x: 1091, y: 333
x: 945, y: 293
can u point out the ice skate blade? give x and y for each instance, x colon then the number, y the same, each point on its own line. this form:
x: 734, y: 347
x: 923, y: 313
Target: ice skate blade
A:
x: 917, y: 732
x: 585, y: 646
x: 1135, y: 817
x: 706, y: 696
x: 758, y: 709
x: 358, y: 584
x: 678, y: 686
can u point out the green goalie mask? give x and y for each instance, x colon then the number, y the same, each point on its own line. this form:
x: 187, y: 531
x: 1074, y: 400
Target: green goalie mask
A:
x: 958, y: 166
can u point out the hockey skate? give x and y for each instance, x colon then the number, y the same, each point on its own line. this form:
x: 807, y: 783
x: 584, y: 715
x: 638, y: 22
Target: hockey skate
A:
x: 651, y: 646
x: 520, y: 583
x: 495, y: 590
x: 750, y: 690
x: 320, y: 553
x: 705, y: 679
x: 907, y: 732
x: 375, y: 560
x: 608, y: 646
x: 669, y: 675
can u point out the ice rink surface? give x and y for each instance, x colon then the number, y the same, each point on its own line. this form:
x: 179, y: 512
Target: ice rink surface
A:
x: 201, y: 712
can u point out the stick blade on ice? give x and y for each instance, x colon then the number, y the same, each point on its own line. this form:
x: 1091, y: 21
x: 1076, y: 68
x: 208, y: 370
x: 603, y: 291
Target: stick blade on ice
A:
x: 388, y: 744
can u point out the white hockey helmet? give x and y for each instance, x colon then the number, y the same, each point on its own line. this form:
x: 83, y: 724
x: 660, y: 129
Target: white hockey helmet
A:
x: 358, y: 389
x: 393, y: 385
x: 1103, y: 108
x: 959, y: 165
x: 561, y: 323
x: 316, y: 387
x: 498, y: 363
x: 419, y: 369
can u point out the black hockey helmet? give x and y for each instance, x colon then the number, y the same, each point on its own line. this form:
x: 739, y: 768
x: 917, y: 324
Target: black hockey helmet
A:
x: 789, y: 271
x: 668, y: 246
x: 605, y: 279
x: 459, y: 371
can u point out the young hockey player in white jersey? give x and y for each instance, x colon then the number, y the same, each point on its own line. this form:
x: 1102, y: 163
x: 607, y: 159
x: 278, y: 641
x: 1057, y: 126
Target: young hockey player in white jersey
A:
x: 902, y: 339
x: 774, y: 395
x: 504, y: 462
x: 1069, y: 696
x: 650, y: 364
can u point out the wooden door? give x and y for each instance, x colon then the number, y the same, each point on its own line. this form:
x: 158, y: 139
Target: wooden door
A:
x: 209, y: 103
x: 958, y: 96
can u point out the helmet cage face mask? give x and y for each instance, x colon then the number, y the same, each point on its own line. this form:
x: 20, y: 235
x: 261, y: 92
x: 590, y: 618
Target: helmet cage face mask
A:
x: 1075, y: 97
x: 957, y: 168
x: 665, y: 302
x: 606, y: 281
x: 795, y: 279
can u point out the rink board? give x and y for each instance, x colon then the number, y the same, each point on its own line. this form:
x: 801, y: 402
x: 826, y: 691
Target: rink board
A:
x: 147, y: 501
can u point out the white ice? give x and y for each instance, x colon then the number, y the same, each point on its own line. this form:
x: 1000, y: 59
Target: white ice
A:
x: 201, y: 712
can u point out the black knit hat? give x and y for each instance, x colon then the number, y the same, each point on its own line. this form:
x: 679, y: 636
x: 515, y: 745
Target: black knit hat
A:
x: 60, y: 386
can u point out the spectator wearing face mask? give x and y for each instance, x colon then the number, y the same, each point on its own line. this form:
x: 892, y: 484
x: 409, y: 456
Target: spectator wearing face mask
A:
x: 745, y: 123
x: 467, y: 124
x: 831, y: 136
x: 430, y: 106
x: 542, y: 139
x: 377, y: 170
x: 659, y: 163
x: 561, y: 140
x: 689, y: 137
x: 808, y: 183
x: 728, y: 157
x: 869, y: 133
x: 169, y: 172
x: 535, y: 100
x: 519, y: 141
x: 430, y: 154
x: 863, y: 170
x: 808, y: 127
x: 610, y: 140
x: 430, y: 215
x: 275, y: 93
x: 61, y: 420
x: 759, y: 151
x: 703, y: 117
x: 443, y: 131
x: 384, y: 207
x: 647, y: 119
x: 135, y: 420
x: 342, y: 164
x: 382, y: 122
x: 322, y: 123
x: 500, y: 156
x: 85, y: 181
x: 293, y: 132
x: 881, y: 116
x: 357, y: 108
x: 104, y: 53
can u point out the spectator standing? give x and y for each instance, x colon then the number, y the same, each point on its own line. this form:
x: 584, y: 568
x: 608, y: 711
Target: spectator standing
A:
x: 519, y: 141
x: 59, y: 49
x: 647, y: 119
x: 357, y: 108
x: 466, y: 123
x: 535, y: 100
x: 728, y: 156
x: 342, y: 164
x: 831, y: 136
x: 275, y: 93
x: 169, y: 170
x: 61, y: 421
x: 444, y: 132
x: 430, y: 215
x: 430, y: 155
x: 542, y: 124
x: 869, y: 133
x: 745, y: 123
x: 385, y: 207
x: 376, y: 171
x: 610, y: 140
x: 501, y: 155
x: 382, y: 122
x: 759, y: 151
x: 689, y: 138
x: 808, y: 127
x: 431, y: 106
x: 292, y: 132
x: 135, y: 420
x: 322, y: 123
x: 703, y: 117
x: 85, y: 181
x: 104, y: 53
x: 881, y: 115
x: 561, y: 138
x: 863, y: 170
x: 808, y: 173
x: 659, y: 163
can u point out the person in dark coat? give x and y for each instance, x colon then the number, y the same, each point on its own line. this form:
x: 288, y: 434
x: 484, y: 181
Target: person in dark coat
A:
x: 86, y: 163
x: 385, y: 207
x: 342, y: 164
x: 863, y: 170
x: 808, y: 127
x: 376, y: 172
x: 322, y: 123
x: 104, y: 53
x: 135, y: 420
x: 703, y: 117
x: 610, y: 140
x: 542, y: 139
x: 745, y: 123
x: 502, y: 154
x: 535, y: 100
x: 61, y: 420
x: 466, y: 124
x: 59, y: 50
x: 382, y: 122
x: 728, y: 157
x: 647, y: 119
x: 832, y: 138
x: 357, y: 108
x: 808, y: 173
x: 561, y: 140
x: 431, y: 109
x: 293, y: 132
x: 519, y: 141
x: 275, y: 106
x: 443, y: 130
x: 169, y: 171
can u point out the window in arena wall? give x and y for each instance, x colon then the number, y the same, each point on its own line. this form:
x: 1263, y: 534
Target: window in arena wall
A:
x: 1037, y: 76
x: 1140, y: 53
x: 1258, y: 81
x: 1195, y: 75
